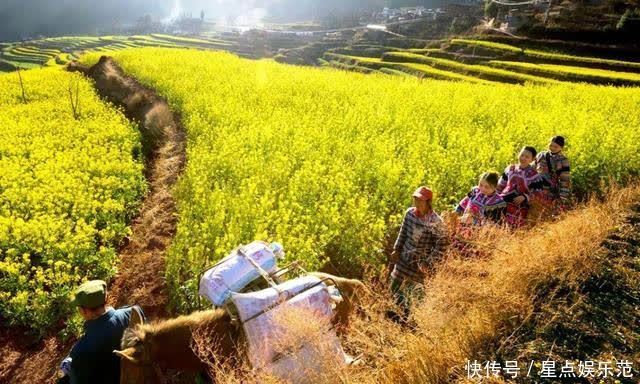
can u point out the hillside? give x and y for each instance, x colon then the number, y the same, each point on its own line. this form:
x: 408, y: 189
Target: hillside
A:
x: 230, y: 149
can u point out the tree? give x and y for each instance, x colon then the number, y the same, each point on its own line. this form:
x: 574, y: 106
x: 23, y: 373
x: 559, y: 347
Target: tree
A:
x: 629, y: 21
x: 73, y: 90
x: 490, y: 9
x: 24, y: 94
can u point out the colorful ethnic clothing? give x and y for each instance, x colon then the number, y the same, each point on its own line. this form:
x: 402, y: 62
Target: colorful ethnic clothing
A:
x: 555, y: 173
x: 516, y: 182
x: 478, y: 209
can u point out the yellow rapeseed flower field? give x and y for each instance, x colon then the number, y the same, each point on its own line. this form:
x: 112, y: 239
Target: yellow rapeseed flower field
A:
x: 325, y: 161
x: 68, y: 188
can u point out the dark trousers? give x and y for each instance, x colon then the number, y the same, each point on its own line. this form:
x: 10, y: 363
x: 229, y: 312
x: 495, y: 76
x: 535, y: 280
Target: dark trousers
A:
x: 405, y: 293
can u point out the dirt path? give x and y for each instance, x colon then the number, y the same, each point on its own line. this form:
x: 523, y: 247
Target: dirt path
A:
x: 140, y: 278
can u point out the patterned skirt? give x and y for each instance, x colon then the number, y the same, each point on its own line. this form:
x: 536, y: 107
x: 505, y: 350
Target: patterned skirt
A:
x: 544, y: 206
x: 517, y: 215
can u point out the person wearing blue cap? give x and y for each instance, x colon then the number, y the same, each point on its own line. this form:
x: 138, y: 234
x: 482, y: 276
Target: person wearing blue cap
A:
x: 92, y: 359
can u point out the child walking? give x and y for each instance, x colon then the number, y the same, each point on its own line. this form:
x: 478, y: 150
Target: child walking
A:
x: 483, y: 204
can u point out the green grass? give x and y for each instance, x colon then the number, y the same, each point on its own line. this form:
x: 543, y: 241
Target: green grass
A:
x: 350, y: 67
x: 112, y: 39
x: 191, y: 40
x: 6, y: 66
x: 365, y: 46
x: 21, y: 58
x: 617, y: 64
x: 353, y: 63
x: 481, y: 71
x: 19, y: 51
x: 35, y: 50
x: 352, y: 59
x: 421, y: 70
x: 487, y: 44
x: 322, y: 62
x: 363, y: 50
x: 157, y: 40
x: 390, y: 71
x: 574, y: 74
x: 119, y: 46
x: 414, y: 69
x: 551, y: 57
x: 22, y: 64
x: 138, y: 41
x: 423, y: 51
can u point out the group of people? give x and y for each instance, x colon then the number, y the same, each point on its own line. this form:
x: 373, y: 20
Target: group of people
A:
x: 542, y: 178
x: 506, y: 198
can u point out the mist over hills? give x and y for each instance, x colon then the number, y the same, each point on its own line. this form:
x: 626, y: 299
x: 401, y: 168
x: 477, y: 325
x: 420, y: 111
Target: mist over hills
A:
x: 20, y: 19
x: 28, y: 18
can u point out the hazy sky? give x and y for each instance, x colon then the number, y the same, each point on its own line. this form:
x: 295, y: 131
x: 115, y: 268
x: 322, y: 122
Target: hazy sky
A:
x: 27, y: 18
x: 24, y: 18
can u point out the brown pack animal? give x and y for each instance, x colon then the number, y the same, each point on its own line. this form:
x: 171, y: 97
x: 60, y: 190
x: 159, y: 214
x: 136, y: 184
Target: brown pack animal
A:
x: 149, y: 349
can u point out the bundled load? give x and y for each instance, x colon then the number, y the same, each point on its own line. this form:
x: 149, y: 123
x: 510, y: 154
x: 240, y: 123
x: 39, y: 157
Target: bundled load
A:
x: 237, y: 270
x: 288, y: 325
x: 275, y: 347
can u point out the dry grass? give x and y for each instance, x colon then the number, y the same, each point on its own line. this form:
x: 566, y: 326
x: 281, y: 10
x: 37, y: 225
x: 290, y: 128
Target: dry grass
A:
x: 304, y: 339
x: 473, y: 306
x: 226, y: 372
x: 307, y: 342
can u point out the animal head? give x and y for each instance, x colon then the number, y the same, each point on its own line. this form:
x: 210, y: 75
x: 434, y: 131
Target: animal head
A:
x: 135, y: 360
x: 133, y: 347
x: 147, y: 349
x: 352, y: 290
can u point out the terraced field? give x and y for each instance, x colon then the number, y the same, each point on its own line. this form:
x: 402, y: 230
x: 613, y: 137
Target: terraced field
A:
x: 484, y: 60
x: 61, y: 50
x: 477, y: 60
x: 376, y: 136
x: 369, y: 65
